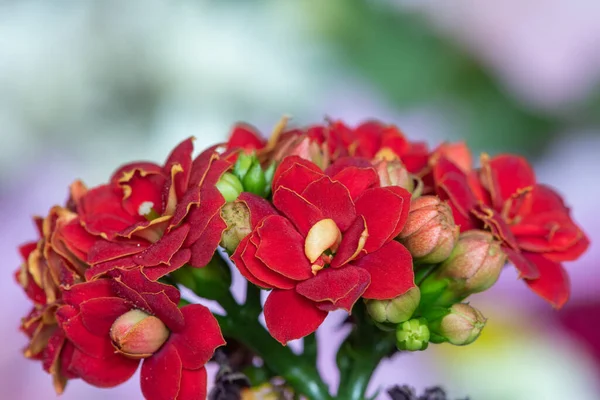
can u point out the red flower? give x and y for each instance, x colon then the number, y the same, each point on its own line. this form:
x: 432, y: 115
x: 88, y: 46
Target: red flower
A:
x: 49, y: 264
x: 155, y: 217
x: 530, y: 219
x: 333, y: 244
x: 109, y: 339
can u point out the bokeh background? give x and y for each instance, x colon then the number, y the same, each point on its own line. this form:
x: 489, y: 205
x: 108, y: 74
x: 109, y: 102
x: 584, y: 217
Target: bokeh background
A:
x: 86, y: 86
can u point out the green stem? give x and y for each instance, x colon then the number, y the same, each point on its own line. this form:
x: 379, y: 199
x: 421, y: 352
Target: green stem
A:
x: 241, y: 323
x: 360, y: 354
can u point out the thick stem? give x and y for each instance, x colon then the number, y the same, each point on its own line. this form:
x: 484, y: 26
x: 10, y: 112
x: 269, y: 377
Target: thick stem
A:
x: 298, y: 373
x: 360, y: 354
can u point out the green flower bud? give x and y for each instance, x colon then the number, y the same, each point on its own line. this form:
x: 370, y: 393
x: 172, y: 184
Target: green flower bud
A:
x: 412, y: 335
x: 255, y: 180
x: 460, y: 326
x: 230, y: 186
x: 395, y: 310
x: 243, y: 164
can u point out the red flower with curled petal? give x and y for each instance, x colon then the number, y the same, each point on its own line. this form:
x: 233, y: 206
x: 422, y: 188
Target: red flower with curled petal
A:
x: 333, y: 245
x: 155, y: 217
x: 530, y: 219
x: 113, y: 323
x: 49, y: 264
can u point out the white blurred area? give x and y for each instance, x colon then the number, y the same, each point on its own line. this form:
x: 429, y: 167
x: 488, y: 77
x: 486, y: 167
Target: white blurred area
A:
x: 86, y: 86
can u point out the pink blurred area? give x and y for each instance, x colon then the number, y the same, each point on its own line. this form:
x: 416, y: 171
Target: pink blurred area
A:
x: 545, y: 52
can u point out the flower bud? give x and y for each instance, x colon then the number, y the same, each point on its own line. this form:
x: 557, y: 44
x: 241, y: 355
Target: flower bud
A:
x: 255, y: 180
x: 136, y: 334
x: 475, y: 263
x: 412, y: 335
x: 461, y: 326
x: 395, y: 310
x: 393, y: 173
x: 303, y: 146
x: 237, y: 217
x: 230, y: 186
x: 243, y: 164
x: 430, y: 232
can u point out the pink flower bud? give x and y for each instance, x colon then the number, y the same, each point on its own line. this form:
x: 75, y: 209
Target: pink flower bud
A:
x: 393, y: 173
x: 430, y: 232
x: 460, y: 327
x: 302, y: 146
x: 136, y: 334
x: 475, y: 263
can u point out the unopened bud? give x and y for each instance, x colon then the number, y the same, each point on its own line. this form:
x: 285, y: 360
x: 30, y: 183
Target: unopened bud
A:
x: 475, y: 263
x: 243, y: 164
x: 461, y: 326
x: 395, y: 310
x: 237, y: 217
x: 412, y: 335
x: 393, y: 173
x: 137, y: 335
x: 230, y: 186
x: 430, y: 232
x: 255, y: 180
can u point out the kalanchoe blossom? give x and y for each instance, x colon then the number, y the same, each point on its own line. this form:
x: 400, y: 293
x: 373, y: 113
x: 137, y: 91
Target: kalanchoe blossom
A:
x: 114, y: 322
x: 332, y: 245
x: 155, y: 217
x: 530, y: 219
x: 49, y: 264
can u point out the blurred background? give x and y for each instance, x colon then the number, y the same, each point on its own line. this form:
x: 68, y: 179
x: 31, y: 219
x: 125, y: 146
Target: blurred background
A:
x: 86, y: 86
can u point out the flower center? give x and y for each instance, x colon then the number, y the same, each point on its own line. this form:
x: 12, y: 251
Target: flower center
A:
x: 321, y: 243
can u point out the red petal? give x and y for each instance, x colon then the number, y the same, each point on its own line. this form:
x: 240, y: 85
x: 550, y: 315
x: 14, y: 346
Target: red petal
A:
x: 178, y: 260
x: 291, y: 316
x: 139, y: 165
x: 81, y: 292
x: 281, y: 248
x: 162, y: 251
x: 245, y: 137
x: 391, y: 271
x: 103, y: 372
x: 193, y: 385
x: 197, y: 342
x: 357, y: 180
x: 333, y: 199
x: 296, y: 174
x: 199, y: 217
x: 299, y: 210
x: 508, y: 173
x: 104, y: 267
x: 345, y: 162
x: 553, y: 285
x: 545, y: 199
x: 452, y: 184
x: 258, y: 207
x: 385, y: 211
x: 241, y: 266
x: 204, y: 247
x: 161, y: 374
x: 182, y: 155
x: 77, y: 239
x: 98, y: 315
x: 104, y: 250
x: 84, y: 340
x: 526, y: 268
x: 140, y: 188
x: 351, y: 246
x: 262, y: 272
x: 340, y: 287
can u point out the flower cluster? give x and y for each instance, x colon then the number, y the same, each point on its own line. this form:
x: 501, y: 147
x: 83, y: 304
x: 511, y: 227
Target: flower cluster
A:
x: 98, y: 308
x: 325, y: 218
